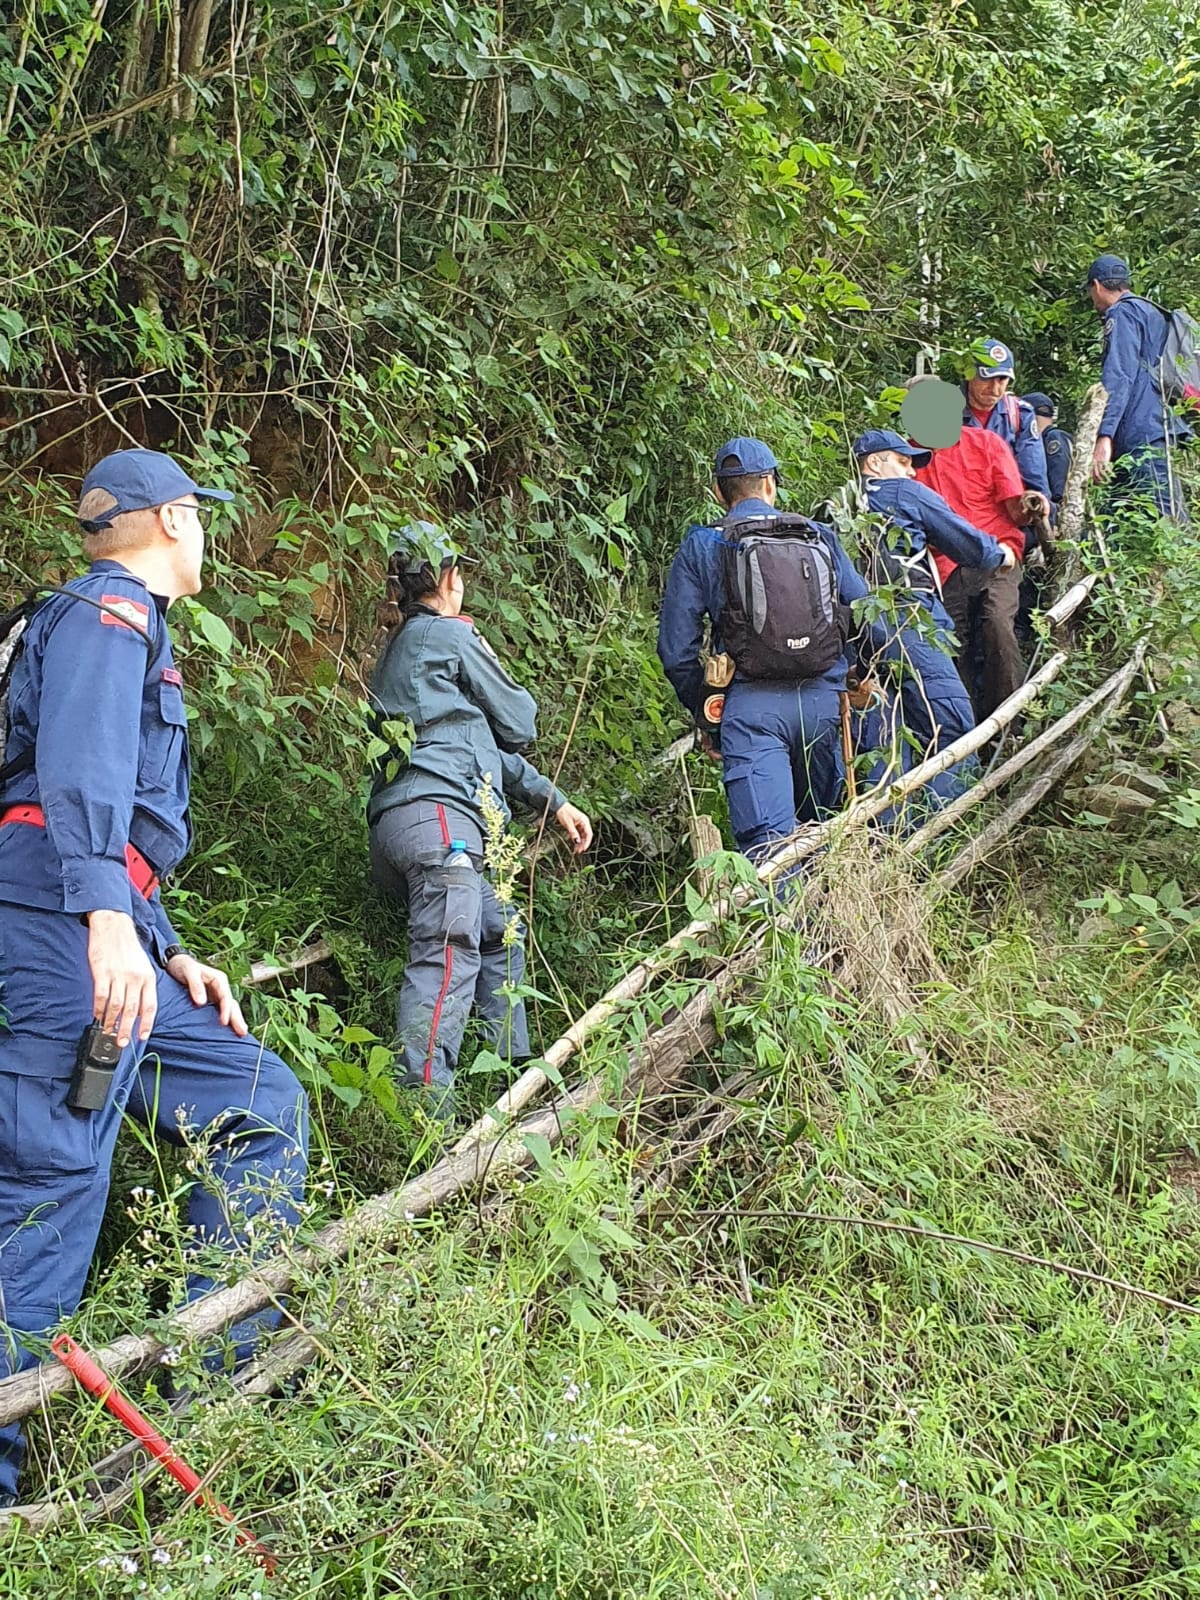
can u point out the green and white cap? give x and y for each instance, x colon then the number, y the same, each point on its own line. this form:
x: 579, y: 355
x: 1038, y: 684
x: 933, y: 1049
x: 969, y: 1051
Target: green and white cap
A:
x: 423, y: 544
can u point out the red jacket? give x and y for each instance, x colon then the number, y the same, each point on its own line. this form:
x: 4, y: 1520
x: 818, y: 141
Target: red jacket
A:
x: 975, y: 477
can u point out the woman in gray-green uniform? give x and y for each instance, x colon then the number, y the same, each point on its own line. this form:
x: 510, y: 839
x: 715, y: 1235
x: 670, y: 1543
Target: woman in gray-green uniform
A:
x: 470, y: 722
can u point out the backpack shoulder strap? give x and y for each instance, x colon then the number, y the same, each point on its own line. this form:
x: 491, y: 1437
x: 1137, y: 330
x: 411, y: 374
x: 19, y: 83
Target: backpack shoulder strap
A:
x: 16, y: 621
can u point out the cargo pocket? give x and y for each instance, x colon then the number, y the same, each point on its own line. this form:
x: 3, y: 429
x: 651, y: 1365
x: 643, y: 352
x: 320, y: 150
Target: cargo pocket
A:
x: 164, y: 743
x: 462, y: 908
x: 746, y: 815
x: 40, y: 1136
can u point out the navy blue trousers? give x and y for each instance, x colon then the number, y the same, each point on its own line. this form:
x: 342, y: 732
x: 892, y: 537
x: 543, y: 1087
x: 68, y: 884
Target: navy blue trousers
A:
x: 192, y: 1077
x: 935, y: 708
x: 781, y: 745
x: 1144, y: 478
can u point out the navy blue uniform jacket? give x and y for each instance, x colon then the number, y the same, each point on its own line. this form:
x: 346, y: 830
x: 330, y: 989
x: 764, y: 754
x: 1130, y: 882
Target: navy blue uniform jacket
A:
x: 105, y: 718
x: 1059, y: 447
x: 925, y: 520
x: 694, y: 593
x: 1134, y: 335
x: 1016, y: 424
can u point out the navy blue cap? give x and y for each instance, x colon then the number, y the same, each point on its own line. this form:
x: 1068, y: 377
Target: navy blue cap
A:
x: 1042, y: 404
x: 138, y: 480
x: 750, y: 456
x: 999, y: 363
x: 1108, y: 268
x: 884, y: 439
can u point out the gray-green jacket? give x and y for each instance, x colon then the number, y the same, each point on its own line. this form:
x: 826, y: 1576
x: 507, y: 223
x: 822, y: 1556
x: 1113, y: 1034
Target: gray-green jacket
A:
x: 470, y: 720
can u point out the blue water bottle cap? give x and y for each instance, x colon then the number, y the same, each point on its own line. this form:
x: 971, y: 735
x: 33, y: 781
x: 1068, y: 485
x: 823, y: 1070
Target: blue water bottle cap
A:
x: 458, y: 844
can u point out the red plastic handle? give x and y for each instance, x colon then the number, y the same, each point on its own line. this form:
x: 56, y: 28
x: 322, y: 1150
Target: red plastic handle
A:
x: 96, y: 1381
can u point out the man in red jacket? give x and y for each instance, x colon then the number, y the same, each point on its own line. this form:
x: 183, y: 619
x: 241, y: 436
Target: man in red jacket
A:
x: 978, y: 478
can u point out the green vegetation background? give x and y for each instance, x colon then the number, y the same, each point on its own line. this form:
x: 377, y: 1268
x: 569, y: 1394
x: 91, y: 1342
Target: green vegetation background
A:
x: 518, y: 268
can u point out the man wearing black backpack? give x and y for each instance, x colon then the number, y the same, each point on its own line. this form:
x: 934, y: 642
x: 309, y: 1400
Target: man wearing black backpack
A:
x: 1138, y: 432
x: 774, y: 591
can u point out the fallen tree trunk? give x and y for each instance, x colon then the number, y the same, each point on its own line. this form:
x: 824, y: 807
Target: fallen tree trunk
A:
x: 980, y: 847
x: 944, y: 819
x: 1073, y: 511
x: 804, y: 844
x: 384, y: 1218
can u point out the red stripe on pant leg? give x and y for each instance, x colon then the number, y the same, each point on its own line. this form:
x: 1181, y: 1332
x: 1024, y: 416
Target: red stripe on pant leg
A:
x: 437, y: 1010
x: 441, y: 811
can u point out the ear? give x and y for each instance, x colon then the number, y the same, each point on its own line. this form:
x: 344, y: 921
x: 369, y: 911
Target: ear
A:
x: 717, y: 495
x: 170, y: 518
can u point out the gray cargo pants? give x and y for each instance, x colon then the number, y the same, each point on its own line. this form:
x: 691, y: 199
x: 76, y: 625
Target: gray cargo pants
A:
x: 458, y: 960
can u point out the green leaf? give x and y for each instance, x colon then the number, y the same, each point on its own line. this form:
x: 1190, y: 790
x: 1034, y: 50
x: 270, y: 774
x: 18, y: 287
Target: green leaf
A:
x: 215, y: 629
x: 637, y: 1323
x: 581, y: 1317
x: 540, y: 1149
x: 446, y: 266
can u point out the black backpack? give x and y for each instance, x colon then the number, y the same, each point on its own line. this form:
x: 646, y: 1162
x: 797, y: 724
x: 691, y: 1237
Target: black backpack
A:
x: 12, y: 641
x: 781, y: 616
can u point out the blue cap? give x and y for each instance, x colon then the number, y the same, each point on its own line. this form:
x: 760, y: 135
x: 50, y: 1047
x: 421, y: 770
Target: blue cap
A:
x: 1042, y: 404
x: 1108, y: 268
x: 999, y: 363
x: 750, y: 456
x: 138, y: 480
x: 884, y: 439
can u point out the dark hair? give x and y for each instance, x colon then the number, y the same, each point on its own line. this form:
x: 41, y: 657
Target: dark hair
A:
x: 1113, y: 283
x: 405, y: 589
x: 735, y: 485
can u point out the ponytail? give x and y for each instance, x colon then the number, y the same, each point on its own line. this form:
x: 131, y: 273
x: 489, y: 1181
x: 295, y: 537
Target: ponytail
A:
x: 404, y: 590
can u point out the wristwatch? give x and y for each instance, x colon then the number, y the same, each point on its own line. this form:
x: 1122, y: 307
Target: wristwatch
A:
x: 171, y: 952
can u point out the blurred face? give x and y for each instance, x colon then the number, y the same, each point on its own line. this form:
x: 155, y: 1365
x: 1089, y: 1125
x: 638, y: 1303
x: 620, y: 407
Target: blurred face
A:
x: 984, y: 393
x: 184, y: 522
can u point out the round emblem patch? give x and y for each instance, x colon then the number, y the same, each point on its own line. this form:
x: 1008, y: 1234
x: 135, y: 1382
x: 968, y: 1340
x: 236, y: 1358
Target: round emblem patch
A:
x: 998, y: 352
x: 713, y: 708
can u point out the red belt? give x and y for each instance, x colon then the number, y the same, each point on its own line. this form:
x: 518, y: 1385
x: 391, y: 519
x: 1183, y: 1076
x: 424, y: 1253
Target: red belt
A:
x: 141, y: 874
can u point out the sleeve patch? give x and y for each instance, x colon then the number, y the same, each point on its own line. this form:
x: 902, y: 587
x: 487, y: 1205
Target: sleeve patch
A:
x: 129, y: 614
x: 172, y: 675
x: 1053, y: 447
x: 1109, y: 326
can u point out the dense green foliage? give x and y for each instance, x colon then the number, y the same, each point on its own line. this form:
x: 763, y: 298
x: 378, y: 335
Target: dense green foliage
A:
x: 521, y: 267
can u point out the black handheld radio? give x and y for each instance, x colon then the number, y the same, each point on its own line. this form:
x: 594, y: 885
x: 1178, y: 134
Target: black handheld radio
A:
x: 95, y: 1062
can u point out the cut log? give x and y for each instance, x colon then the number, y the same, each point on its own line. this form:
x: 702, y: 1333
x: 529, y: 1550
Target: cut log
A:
x: 949, y: 815
x: 1072, y: 513
x: 383, y: 1219
x: 266, y: 971
x: 981, y: 847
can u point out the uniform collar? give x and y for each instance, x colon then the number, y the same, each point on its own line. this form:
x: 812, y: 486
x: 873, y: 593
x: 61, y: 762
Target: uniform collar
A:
x: 750, y: 508
x: 160, y: 601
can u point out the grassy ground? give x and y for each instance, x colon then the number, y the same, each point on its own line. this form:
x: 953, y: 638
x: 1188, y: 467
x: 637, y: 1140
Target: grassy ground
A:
x: 600, y: 1389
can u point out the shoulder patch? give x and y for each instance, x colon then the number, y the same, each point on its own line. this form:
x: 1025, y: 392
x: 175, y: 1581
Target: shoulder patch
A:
x: 1109, y: 325
x: 1053, y: 447
x: 122, y: 612
x: 484, y: 643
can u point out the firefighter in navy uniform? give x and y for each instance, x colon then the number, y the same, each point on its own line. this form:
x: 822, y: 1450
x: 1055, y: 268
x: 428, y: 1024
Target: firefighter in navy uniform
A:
x: 93, y: 813
x: 780, y: 741
x: 1057, y: 443
x: 935, y: 705
x: 989, y: 405
x: 1138, y: 432
x: 428, y: 819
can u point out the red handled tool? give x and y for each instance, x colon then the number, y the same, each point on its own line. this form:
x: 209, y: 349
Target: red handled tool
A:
x: 96, y: 1381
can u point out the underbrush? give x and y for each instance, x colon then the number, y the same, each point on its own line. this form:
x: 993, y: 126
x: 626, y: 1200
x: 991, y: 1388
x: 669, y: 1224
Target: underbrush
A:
x: 597, y: 1386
